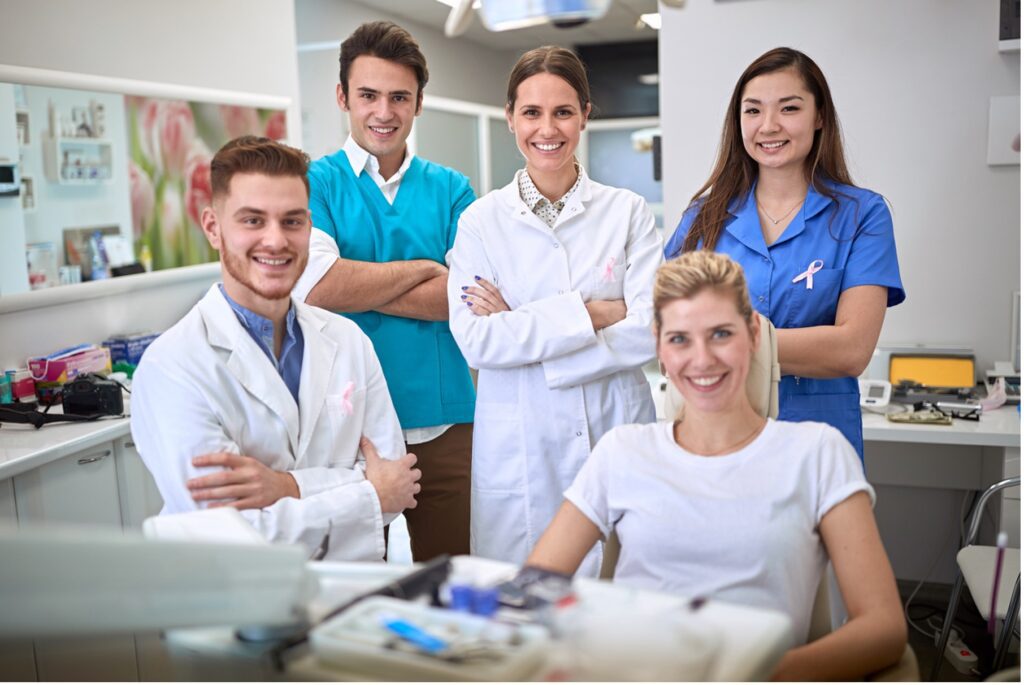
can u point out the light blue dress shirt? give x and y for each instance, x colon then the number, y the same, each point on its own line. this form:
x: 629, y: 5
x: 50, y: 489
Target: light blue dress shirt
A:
x: 262, y: 331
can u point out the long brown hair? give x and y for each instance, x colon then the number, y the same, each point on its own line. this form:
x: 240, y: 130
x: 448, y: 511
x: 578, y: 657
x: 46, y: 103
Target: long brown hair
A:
x: 735, y: 171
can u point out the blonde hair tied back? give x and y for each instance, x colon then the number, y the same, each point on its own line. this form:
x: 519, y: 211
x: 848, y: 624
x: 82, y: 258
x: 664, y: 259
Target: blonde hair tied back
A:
x: 693, y: 272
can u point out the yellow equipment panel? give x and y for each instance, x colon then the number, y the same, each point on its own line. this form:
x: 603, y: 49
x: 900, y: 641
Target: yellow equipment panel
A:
x: 936, y: 372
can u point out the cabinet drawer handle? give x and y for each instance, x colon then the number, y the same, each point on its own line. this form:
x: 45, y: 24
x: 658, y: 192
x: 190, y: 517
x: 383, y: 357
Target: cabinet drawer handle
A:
x: 129, y: 445
x: 93, y: 459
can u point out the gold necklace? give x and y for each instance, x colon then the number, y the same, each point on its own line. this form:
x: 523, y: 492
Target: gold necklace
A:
x: 727, y: 449
x: 774, y: 221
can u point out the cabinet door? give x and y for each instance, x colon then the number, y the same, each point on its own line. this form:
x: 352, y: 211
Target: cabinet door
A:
x: 17, y: 661
x: 140, y: 497
x: 8, y: 512
x: 78, y: 489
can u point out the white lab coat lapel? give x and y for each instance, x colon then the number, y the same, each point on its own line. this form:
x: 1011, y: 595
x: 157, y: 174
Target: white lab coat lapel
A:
x: 577, y: 202
x: 317, y: 371
x: 248, y: 363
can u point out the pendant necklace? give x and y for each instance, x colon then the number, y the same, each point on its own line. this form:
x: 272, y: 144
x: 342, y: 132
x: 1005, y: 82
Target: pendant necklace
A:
x: 775, y: 222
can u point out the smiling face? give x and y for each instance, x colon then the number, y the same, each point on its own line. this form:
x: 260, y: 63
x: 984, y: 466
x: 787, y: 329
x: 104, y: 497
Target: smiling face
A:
x: 546, y: 119
x: 261, y: 229
x: 383, y: 101
x: 706, y: 347
x: 778, y: 120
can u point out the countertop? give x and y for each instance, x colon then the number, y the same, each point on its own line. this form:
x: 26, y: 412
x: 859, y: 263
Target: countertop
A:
x: 23, y: 447
x: 997, y: 428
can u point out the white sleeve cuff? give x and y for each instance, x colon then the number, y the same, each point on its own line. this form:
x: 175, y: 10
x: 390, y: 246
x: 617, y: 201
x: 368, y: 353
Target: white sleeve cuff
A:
x: 323, y: 252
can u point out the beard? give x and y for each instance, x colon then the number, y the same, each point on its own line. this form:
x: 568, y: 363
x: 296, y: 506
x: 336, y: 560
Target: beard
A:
x: 240, y: 268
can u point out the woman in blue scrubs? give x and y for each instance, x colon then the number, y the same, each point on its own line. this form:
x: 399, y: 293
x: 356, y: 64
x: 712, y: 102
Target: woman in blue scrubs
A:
x: 818, y: 251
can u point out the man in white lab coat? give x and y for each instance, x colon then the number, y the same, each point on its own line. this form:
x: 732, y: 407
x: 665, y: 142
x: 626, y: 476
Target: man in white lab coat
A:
x: 261, y: 402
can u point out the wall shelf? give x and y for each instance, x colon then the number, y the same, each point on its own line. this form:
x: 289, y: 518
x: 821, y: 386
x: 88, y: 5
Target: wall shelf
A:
x: 77, y: 161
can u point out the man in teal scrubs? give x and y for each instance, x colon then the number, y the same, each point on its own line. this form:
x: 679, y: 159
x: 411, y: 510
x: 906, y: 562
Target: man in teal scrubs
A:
x: 386, y: 220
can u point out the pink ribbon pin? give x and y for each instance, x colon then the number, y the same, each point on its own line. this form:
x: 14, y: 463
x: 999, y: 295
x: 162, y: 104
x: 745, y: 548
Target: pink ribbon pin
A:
x: 609, y: 270
x: 812, y: 269
x: 346, y: 398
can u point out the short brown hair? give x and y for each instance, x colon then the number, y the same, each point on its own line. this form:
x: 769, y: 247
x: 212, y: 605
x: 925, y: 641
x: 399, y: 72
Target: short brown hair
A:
x: 385, y: 40
x: 550, y: 59
x: 255, y: 155
x: 691, y: 273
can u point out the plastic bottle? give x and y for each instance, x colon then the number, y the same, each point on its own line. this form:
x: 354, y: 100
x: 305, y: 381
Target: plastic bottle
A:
x: 146, y: 257
x: 99, y: 258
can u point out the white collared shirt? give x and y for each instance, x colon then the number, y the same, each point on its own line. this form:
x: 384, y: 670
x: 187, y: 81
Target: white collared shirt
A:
x: 361, y: 161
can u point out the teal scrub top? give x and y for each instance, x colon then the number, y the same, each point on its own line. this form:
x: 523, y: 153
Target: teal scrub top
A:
x: 426, y: 374
x: 853, y: 238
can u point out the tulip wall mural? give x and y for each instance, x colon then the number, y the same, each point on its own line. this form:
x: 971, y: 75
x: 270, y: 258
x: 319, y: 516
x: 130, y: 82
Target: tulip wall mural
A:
x: 171, y: 143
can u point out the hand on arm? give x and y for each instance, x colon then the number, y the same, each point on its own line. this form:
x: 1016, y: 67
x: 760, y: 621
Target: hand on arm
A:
x: 566, y: 541
x: 354, y: 286
x: 244, y: 482
x: 605, y: 313
x: 843, y: 349
x: 484, y: 298
x: 394, y: 480
x: 875, y: 635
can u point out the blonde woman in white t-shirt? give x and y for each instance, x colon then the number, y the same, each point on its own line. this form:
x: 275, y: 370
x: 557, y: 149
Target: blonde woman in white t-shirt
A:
x: 727, y: 504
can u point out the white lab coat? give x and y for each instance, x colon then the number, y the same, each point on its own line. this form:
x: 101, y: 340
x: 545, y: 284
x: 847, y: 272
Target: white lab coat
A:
x: 206, y: 386
x: 549, y: 386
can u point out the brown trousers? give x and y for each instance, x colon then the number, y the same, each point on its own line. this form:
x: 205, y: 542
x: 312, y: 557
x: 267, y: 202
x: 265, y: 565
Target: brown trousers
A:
x: 440, y: 522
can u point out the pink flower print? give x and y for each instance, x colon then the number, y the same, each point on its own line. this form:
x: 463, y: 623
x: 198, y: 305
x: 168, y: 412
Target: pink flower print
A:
x: 240, y: 121
x: 177, y: 131
x: 277, y: 128
x: 143, y: 198
x: 198, y: 192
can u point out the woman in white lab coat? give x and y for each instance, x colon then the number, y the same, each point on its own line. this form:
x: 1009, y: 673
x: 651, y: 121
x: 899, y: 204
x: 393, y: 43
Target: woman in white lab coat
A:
x: 550, y: 298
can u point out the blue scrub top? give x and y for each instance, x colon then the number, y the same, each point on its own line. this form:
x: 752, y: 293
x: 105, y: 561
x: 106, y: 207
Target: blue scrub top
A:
x: 853, y: 237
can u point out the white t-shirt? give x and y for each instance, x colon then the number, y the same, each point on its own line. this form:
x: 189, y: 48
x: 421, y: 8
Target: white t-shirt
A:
x: 741, y: 527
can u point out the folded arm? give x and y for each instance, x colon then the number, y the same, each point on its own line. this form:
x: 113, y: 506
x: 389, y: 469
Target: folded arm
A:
x: 348, y: 285
x: 172, y: 423
x: 843, y: 349
x: 530, y: 333
x: 629, y: 343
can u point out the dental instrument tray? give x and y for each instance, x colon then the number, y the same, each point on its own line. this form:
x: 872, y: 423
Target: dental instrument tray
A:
x: 392, y: 639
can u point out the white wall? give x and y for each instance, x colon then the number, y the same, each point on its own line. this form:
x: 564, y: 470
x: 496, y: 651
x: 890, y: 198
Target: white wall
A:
x: 458, y: 69
x: 912, y: 81
x: 13, y: 274
x: 105, y: 203
x: 240, y: 45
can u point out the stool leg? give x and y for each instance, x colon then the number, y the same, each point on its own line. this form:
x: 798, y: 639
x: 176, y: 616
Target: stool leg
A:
x: 1008, y: 623
x: 947, y: 625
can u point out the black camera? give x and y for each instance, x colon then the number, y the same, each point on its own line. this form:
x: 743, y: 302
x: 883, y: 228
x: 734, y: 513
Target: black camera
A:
x: 91, y: 394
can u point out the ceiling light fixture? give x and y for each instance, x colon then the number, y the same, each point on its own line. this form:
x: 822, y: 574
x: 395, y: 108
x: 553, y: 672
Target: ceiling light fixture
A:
x: 453, y: 3
x: 653, y: 20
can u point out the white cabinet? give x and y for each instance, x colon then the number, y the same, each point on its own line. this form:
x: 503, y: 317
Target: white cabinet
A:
x: 79, y: 489
x: 138, y: 493
x: 8, y: 512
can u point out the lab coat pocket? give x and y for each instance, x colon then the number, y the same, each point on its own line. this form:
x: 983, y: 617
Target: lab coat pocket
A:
x: 345, y: 412
x: 499, y: 462
x: 606, y: 281
x: 815, y: 306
